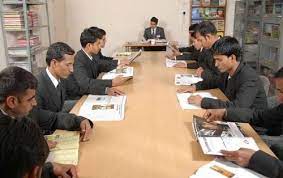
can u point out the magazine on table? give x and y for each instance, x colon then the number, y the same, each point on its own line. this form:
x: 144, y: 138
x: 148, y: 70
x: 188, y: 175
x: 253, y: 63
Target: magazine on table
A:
x: 216, y: 136
x: 124, y: 72
x: 103, y: 108
x: 186, y: 79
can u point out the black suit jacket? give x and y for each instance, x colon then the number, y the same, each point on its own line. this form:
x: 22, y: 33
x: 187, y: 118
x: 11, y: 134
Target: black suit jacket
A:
x: 48, y: 113
x: 101, y: 56
x: 244, y: 89
x: 159, y: 31
x: 271, y: 119
x: 267, y: 165
x: 86, y: 72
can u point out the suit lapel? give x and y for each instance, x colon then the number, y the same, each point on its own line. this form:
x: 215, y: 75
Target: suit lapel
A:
x: 55, y: 97
x: 89, y: 64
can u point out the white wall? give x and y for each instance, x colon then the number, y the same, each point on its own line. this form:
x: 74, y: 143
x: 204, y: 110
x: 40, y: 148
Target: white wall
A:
x: 123, y: 20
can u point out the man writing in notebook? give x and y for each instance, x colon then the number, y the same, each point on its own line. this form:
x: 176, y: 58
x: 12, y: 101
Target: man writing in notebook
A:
x: 87, y: 68
x: 17, y: 98
x: 270, y: 119
x: 238, y: 81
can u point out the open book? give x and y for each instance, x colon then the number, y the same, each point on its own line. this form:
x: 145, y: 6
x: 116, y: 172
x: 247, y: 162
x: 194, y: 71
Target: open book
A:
x: 186, y: 79
x: 103, y: 108
x: 67, y: 148
x: 183, y: 99
x: 216, y: 136
x: 131, y: 56
x: 172, y: 63
x: 224, y: 169
x: 124, y: 71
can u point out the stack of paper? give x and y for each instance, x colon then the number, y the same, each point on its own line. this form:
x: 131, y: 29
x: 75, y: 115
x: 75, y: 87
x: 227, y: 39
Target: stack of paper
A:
x: 67, y: 148
x: 103, y: 108
x: 172, y: 63
x: 14, y: 20
x: 224, y: 169
x: 183, y: 99
x: 186, y: 79
x: 125, y: 72
x: 216, y: 136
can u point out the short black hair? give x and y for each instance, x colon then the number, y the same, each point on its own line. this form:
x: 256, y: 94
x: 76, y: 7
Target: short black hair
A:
x: 14, y: 81
x: 57, y: 51
x: 101, y: 31
x: 279, y: 73
x: 227, y: 46
x: 193, y: 29
x: 90, y: 35
x: 207, y: 27
x: 22, y: 147
x: 154, y: 19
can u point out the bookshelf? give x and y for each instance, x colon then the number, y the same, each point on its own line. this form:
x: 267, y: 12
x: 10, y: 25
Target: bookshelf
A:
x: 259, y: 28
x: 209, y: 10
x: 26, y: 31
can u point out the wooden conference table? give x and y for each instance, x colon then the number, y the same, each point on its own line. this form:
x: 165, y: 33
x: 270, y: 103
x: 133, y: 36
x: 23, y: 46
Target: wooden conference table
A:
x: 155, y: 140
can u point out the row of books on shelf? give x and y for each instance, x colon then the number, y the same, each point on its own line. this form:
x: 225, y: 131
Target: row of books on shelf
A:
x: 219, y: 24
x: 14, y: 20
x: 207, y: 13
x: 271, y: 30
x: 208, y: 2
x: 274, y: 8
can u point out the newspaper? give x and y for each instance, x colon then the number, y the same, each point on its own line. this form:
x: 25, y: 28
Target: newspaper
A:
x: 103, y: 108
x: 220, y: 168
x: 183, y: 99
x: 67, y: 148
x: 186, y: 79
x: 172, y: 63
x: 124, y: 71
x: 217, y: 136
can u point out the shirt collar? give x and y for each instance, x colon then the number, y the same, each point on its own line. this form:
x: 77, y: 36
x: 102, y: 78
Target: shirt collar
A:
x: 6, y: 114
x: 89, y: 56
x: 52, y: 78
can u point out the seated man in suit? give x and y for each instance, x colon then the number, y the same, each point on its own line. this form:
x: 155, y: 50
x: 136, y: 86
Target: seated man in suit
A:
x: 154, y: 32
x: 187, y: 53
x: 87, y: 66
x: 270, y: 119
x: 195, y: 55
x: 21, y: 142
x: 239, y: 82
x: 52, y: 92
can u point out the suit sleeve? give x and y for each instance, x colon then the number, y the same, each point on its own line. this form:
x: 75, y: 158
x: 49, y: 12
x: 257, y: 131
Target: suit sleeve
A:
x: 162, y: 35
x: 107, y: 65
x: 270, y: 118
x: 50, y: 121
x: 266, y: 165
x: 244, y: 98
x: 89, y: 85
x: 105, y: 57
x: 145, y: 35
x: 187, y: 49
